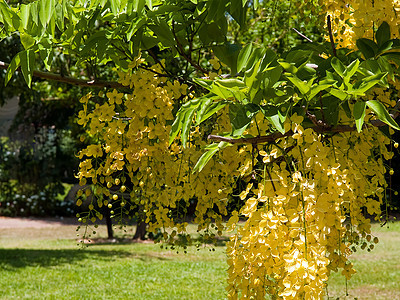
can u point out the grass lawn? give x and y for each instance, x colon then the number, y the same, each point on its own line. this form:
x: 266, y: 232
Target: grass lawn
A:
x: 46, y: 263
x: 378, y: 271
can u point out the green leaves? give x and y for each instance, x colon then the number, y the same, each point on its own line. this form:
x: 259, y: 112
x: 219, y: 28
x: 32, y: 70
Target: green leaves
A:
x: 301, y: 85
x: 228, y: 54
x: 367, y: 47
x: 241, y: 117
x: 359, y: 114
x: 26, y: 60
x: 27, y: 41
x: 6, y: 15
x: 338, y: 66
x: 354, y: 80
x: 367, y: 83
x: 244, y: 56
x: 130, y: 25
x: 274, y: 116
x: 320, y: 87
x: 135, y: 26
x: 382, y: 46
x: 211, y: 150
x: 351, y: 70
x: 116, y: 5
x: 183, y: 120
x: 225, y: 88
x: 163, y: 32
x: 204, y: 107
x: 46, y: 8
x: 382, y: 35
x: 208, y: 109
x: 345, y: 72
x: 382, y: 113
x: 378, y: 108
x: 15, y: 63
x: 25, y: 13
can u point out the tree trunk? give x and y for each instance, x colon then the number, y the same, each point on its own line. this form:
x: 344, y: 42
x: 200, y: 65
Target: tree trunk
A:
x: 110, y: 231
x: 140, y: 230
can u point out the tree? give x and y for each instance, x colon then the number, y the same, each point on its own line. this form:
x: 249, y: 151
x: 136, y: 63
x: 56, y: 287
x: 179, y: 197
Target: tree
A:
x: 37, y: 151
x: 301, y: 136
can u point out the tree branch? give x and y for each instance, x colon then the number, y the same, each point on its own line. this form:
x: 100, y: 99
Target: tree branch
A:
x: 182, y: 52
x: 302, y: 35
x: 71, y: 80
x: 156, y: 60
x: 329, y: 23
x: 277, y: 135
x: 254, y: 140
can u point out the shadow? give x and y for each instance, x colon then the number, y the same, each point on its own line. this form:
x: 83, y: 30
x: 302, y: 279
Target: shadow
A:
x: 115, y: 241
x: 218, y: 241
x: 22, y: 258
x: 59, y: 221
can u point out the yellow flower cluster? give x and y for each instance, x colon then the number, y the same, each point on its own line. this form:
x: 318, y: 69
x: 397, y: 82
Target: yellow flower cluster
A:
x: 306, y: 213
x: 353, y: 19
x: 133, y: 164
